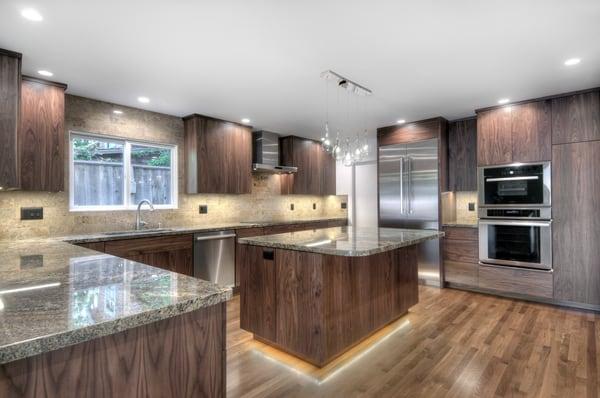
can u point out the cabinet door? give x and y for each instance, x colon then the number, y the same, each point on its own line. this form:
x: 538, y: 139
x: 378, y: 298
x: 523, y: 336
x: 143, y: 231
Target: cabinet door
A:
x: 10, y: 88
x: 531, y: 132
x: 576, y: 225
x: 328, y: 186
x: 462, y: 155
x: 173, y: 253
x: 218, y: 156
x: 243, y: 233
x: 494, y: 141
x: 576, y: 118
x: 315, y: 174
x: 42, y: 136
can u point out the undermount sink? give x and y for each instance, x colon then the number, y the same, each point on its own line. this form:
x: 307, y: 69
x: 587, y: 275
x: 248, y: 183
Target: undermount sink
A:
x: 138, y: 232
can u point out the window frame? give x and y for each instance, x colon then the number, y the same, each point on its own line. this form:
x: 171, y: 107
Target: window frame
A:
x: 127, y: 173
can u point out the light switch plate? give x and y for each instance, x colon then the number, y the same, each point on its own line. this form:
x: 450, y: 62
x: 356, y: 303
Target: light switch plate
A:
x: 203, y: 209
x: 292, y: 206
x: 344, y: 205
x: 471, y: 206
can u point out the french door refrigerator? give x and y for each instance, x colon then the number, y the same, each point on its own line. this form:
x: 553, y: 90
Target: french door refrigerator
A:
x: 408, y: 197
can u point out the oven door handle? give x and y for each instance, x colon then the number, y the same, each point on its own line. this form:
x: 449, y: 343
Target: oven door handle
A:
x: 517, y: 223
x: 518, y: 178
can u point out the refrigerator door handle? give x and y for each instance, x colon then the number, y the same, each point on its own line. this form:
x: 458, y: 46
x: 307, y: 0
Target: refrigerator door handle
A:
x: 402, y: 185
x: 409, y: 182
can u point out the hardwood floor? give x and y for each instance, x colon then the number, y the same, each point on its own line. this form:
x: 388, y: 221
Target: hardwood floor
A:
x: 452, y: 344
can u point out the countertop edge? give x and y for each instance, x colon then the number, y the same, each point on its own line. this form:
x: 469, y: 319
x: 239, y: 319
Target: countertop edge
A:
x: 43, y: 344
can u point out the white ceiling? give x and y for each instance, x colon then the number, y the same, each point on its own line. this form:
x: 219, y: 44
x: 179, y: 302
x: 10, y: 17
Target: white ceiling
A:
x: 262, y: 59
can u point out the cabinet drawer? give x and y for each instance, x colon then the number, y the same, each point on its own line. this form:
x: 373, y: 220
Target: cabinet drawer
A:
x: 461, y: 250
x: 337, y: 223
x: 461, y: 273
x: 461, y: 233
x: 513, y: 280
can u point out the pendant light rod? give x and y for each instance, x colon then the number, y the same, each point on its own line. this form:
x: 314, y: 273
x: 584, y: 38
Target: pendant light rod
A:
x: 346, y: 83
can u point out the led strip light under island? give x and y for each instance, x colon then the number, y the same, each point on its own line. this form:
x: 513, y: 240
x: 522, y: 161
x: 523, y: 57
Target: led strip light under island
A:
x: 316, y: 294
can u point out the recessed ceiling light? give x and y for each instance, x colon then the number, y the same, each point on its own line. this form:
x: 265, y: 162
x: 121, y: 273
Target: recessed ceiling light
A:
x: 144, y: 100
x: 32, y: 15
x: 45, y: 73
x: 572, y: 61
x: 245, y: 120
x: 401, y: 121
x: 117, y: 112
x: 503, y: 101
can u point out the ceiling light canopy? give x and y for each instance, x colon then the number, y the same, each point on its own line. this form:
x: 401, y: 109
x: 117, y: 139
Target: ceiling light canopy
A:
x: 144, y: 100
x: 503, y: 101
x: 572, y: 61
x: 45, y: 73
x: 32, y: 14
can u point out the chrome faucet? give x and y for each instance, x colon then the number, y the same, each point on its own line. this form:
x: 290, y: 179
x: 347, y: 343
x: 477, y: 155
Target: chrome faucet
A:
x: 138, y: 219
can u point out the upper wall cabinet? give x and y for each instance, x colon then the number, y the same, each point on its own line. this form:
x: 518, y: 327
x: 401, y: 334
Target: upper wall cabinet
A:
x: 41, y: 140
x: 462, y: 156
x: 517, y: 133
x: 10, y: 86
x: 218, y: 156
x: 576, y: 118
x: 316, y: 168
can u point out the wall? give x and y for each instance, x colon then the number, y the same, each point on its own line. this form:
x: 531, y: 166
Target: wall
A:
x: 455, y: 207
x: 86, y: 115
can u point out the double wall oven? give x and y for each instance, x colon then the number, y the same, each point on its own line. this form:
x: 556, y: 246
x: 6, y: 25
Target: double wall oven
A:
x: 515, y: 215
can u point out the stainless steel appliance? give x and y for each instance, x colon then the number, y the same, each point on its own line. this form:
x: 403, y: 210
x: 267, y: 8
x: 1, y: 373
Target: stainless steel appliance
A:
x: 265, y: 154
x: 517, y: 184
x: 214, y: 257
x: 515, y: 242
x: 409, y: 197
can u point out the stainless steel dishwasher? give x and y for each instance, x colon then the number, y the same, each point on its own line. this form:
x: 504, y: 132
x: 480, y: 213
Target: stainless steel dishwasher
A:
x: 214, y: 257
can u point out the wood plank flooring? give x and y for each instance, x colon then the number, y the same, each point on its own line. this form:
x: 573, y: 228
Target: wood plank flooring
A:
x: 452, y: 344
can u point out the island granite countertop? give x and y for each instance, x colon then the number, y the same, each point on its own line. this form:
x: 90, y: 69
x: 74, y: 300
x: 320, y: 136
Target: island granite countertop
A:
x: 54, y: 294
x: 345, y: 241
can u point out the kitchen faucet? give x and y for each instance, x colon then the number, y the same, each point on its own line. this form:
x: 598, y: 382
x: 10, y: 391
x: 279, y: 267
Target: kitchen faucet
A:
x: 138, y: 219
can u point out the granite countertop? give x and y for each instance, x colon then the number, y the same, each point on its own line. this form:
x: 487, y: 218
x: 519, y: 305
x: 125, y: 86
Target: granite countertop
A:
x: 460, y: 225
x: 345, y: 241
x: 104, y: 236
x: 54, y: 294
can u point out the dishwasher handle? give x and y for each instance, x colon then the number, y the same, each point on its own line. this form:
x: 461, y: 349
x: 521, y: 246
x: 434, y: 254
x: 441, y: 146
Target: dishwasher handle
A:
x: 215, y: 237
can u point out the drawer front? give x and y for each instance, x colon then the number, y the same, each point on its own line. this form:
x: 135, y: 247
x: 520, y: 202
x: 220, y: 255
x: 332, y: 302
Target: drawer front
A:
x: 461, y: 250
x: 514, y: 280
x: 337, y: 223
x: 461, y: 273
x: 461, y: 233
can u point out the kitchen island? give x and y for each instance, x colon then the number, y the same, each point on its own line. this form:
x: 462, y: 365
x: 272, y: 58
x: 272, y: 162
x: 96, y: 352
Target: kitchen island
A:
x: 80, y: 323
x: 317, y: 293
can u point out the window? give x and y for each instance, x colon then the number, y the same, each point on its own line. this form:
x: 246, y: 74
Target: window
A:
x: 114, y: 174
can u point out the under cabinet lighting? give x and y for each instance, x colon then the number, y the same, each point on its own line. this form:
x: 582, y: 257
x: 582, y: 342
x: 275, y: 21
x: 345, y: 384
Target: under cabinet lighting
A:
x: 503, y: 101
x: 245, y: 120
x: 117, y: 112
x: 401, y: 121
x: 144, y: 100
x: 32, y: 14
x: 45, y: 73
x: 572, y: 61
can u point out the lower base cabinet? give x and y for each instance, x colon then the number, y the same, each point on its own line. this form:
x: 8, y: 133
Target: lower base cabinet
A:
x: 460, y: 254
x: 516, y: 281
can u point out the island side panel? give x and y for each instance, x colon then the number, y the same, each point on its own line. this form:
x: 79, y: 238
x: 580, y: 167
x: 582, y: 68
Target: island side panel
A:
x: 179, y: 356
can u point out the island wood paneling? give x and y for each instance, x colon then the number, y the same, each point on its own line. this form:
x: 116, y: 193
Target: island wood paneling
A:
x: 10, y: 92
x: 462, y: 155
x: 183, y: 356
x: 243, y: 233
x: 494, y: 137
x: 42, y: 135
x: 218, y: 156
x: 317, y: 306
x: 531, y: 132
x: 576, y: 222
x: 576, y: 118
x: 173, y: 253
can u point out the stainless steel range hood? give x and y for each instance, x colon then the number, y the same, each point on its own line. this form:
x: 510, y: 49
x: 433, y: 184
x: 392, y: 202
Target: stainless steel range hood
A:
x: 265, y: 157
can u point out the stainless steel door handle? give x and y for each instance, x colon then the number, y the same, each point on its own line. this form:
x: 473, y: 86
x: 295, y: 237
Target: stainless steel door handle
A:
x: 409, y: 191
x: 402, y: 185
x: 215, y: 237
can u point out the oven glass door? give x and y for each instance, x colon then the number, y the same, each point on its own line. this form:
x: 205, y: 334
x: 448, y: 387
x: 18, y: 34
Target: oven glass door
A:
x: 514, y: 185
x: 516, y: 243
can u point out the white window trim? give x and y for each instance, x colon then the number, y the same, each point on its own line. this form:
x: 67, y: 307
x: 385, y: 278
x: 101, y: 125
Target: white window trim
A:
x: 126, y: 173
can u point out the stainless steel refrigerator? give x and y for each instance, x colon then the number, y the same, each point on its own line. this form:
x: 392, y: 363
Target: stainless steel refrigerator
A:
x: 408, y: 197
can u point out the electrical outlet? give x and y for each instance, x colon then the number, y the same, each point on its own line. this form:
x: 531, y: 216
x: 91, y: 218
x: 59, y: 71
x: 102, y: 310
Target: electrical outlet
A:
x: 203, y: 209
x: 32, y: 261
x: 471, y: 206
x: 314, y: 206
x: 32, y: 213
x: 344, y: 205
x: 292, y: 206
